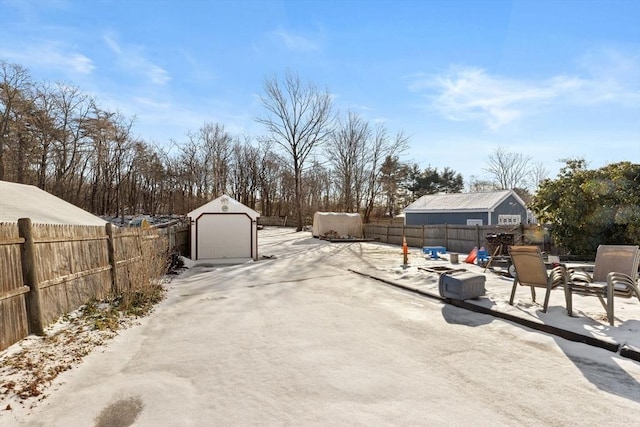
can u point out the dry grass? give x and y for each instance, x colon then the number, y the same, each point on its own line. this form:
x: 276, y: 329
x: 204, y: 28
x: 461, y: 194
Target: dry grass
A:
x: 29, y: 367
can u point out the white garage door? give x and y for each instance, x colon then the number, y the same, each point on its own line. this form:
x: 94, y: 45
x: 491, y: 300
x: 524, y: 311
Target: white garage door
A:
x: 224, y: 236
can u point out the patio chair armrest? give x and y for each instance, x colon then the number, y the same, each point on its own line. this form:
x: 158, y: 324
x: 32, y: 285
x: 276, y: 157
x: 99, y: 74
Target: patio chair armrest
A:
x: 558, y: 274
x: 579, y: 276
x: 621, y: 280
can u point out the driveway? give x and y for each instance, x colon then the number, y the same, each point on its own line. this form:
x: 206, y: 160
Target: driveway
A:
x: 298, y: 339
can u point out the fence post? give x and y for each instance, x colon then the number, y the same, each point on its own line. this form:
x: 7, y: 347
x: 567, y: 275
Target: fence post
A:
x: 423, y: 241
x: 172, y: 239
x: 30, y: 277
x: 111, y: 253
x: 477, y: 236
x: 446, y: 237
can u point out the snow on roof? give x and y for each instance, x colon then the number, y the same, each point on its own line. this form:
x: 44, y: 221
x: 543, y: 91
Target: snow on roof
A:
x: 338, y: 214
x: 27, y: 201
x: 224, y: 204
x: 461, y: 201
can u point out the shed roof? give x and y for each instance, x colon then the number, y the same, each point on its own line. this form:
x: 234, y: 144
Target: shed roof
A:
x: 461, y: 201
x: 223, y: 204
x: 28, y: 201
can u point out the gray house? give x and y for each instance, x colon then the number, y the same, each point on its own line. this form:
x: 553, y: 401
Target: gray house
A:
x: 503, y: 207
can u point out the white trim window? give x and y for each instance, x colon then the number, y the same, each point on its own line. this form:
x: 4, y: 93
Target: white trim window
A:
x: 509, y: 219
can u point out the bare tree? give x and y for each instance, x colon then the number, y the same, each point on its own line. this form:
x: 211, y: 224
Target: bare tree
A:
x: 73, y: 111
x: 110, y: 162
x: 378, y: 150
x: 347, y: 148
x: 122, y: 160
x: 298, y: 118
x: 318, y: 186
x: 244, y: 176
x: 47, y: 130
x: 216, y: 144
x: 193, y: 175
x: 20, y: 151
x: 538, y: 174
x: 508, y: 170
x: 14, y: 81
x: 392, y: 173
x: 478, y: 185
x: 270, y: 172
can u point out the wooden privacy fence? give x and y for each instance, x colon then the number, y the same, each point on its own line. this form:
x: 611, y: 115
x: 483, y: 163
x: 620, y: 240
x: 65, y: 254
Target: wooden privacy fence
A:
x: 456, y: 238
x: 49, y: 270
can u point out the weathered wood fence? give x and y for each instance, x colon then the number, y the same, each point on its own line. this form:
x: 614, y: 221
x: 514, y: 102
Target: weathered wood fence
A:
x: 49, y: 270
x: 456, y: 238
x: 277, y: 221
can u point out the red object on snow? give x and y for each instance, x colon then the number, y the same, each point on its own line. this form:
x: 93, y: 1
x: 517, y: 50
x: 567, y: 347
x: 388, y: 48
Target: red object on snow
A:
x: 471, y: 258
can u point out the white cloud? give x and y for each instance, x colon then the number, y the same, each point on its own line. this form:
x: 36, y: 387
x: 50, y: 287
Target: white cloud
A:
x: 198, y: 71
x: 616, y: 77
x: 473, y: 94
x: 296, y: 42
x: 131, y: 58
x: 53, y: 55
x: 148, y: 102
x: 113, y: 45
x: 470, y: 93
x: 157, y: 74
x: 82, y: 64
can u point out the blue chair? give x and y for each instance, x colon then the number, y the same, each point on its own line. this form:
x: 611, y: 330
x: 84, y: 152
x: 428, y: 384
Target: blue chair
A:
x: 482, y: 257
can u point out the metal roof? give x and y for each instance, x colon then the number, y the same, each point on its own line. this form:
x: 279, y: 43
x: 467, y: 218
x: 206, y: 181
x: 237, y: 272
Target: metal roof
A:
x: 461, y: 201
x: 27, y: 201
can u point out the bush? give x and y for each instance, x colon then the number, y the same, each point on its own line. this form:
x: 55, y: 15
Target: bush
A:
x: 587, y: 208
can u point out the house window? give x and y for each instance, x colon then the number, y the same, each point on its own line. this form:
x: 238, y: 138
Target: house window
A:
x: 509, y: 219
x: 474, y: 222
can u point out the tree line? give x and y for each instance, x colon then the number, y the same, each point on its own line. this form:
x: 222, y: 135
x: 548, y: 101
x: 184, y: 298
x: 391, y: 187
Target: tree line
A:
x: 310, y: 158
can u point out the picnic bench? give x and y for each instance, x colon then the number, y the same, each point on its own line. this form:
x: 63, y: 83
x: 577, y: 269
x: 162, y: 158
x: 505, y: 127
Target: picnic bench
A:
x: 433, y: 251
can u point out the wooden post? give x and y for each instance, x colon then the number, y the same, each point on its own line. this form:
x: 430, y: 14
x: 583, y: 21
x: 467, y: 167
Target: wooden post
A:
x: 446, y: 238
x: 30, y: 277
x: 111, y: 254
x: 478, y: 236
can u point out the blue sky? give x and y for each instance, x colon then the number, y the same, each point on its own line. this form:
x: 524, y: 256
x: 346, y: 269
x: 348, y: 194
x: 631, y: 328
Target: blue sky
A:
x: 548, y: 79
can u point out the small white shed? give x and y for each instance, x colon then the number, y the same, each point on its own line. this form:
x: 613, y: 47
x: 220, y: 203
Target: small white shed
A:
x: 224, y: 229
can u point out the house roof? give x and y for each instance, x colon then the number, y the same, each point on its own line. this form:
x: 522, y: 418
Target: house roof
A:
x: 28, y: 201
x: 468, y: 202
x: 223, y: 204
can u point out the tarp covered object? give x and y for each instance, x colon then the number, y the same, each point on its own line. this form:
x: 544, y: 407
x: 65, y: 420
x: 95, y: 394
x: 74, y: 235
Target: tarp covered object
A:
x: 343, y: 224
x: 28, y: 201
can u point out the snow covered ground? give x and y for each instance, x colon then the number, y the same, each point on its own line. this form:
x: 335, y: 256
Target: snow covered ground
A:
x: 300, y: 339
x: 589, y: 317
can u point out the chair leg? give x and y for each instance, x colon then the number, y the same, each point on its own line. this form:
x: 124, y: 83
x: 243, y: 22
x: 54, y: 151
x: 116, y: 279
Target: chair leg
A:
x: 569, y: 299
x: 610, y: 303
x: 513, y: 290
x: 533, y: 294
x: 546, y: 300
